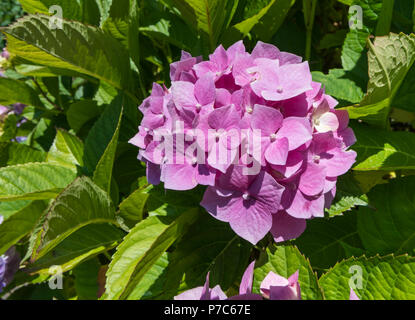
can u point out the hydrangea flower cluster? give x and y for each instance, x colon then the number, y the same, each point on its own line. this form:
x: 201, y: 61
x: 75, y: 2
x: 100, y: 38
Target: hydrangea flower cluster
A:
x: 273, y: 287
x: 256, y: 130
x: 9, y: 264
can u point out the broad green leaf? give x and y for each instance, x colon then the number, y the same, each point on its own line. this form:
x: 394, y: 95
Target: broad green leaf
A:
x: 103, y: 171
x: 264, y: 24
x: 390, y: 59
x: 354, y: 50
x: 158, y: 23
x: 20, y: 224
x: 338, y: 85
x: 76, y: 47
x: 86, y: 280
x: 327, y: 241
x: 385, y: 19
x: 390, y: 226
x: 33, y: 181
x: 131, y: 210
x: 16, y: 153
x: 82, y: 203
x: 285, y: 261
x: 151, y: 285
x: 348, y: 195
x: 141, y: 248
x: 80, y: 112
x: 66, y: 151
x: 9, y: 208
x: 14, y: 91
x: 383, y: 150
x: 80, y: 246
x: 387, y: 278
x: 207, y: 16
x: 81, y: 10
x: 101, y: 135
x: 209, y: 246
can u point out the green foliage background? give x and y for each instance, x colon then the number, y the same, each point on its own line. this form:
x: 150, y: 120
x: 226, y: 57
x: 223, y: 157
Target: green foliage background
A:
x: 74, y: 195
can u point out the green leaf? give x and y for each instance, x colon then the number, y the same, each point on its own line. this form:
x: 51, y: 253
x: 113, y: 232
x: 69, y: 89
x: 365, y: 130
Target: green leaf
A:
x: 76, y: 47
x: 86, y: 280
x: 383, y: 150
x: 209, y: 246
x: 131, y: 210
x: 348, y: 196
x: 327, y: 241
x: 101, y: 134
x: 390, y: 226
x: 285, y: 261
x: 390, y: 59
x: 9, y: 208
x: 33, y: 181
x: 162, y: 25
x: 81, y: 203
x: 80, y: 246
x: 103, y: 171
x: 141, y: 248
x: 17, y: 153
x: 207, y: 16
x: 20, y: 224
x: 15, y: 91
x: 66, y: 151
x: 80, y: 112
x: 338, y: 85
x: 385, y: 19
x: 387, y: 278
x: 264, y: 24
x: 151, y: 285
x: 81, y: 10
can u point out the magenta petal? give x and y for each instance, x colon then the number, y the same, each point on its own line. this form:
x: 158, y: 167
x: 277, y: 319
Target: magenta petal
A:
x: 265, y: 50
x: 296, y: 130
x: 353, y: 295
x: 313, y: 179
x: 252, y: 223
x: 338, y: 162
x: 247, y: 278
x: 218, y: 206
x: 246, y: 296
x: 192, y: 294
x: 277, y: 152
x: 153, y: 173
x: 224, y: 118
x: 304, y: 207
x: 286, y: 227
x: 220, y: 58
x: 204, y: 90
x: 183, y: 94
x: 179, y: 176
x: 267, y: 119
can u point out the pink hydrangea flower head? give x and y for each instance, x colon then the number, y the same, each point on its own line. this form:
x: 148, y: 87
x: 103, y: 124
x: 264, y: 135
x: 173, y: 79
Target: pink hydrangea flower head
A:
x: 255, y: 129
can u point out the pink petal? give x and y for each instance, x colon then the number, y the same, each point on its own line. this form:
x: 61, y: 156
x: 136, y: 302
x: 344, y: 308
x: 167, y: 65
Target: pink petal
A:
x: 183, y: 94
x: 296, y: 130
x: 267, y: 119
x: 338, y: 162
x: 313, y: 179
x: 179, y: 177
x: 303, y: 207
x: 247, y: 278
x: 277, y: 152
x: 265, y: 50
x: 285, y: 227
x: 204, y: 90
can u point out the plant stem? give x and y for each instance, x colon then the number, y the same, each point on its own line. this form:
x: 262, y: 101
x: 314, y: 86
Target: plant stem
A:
x: 309, y: 8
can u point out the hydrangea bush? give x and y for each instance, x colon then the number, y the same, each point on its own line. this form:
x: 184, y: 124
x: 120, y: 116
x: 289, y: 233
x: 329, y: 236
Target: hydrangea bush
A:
x: 207, y: 150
